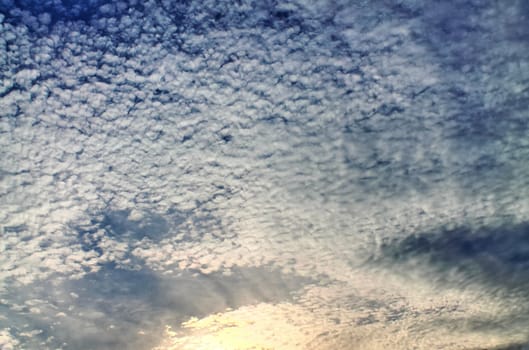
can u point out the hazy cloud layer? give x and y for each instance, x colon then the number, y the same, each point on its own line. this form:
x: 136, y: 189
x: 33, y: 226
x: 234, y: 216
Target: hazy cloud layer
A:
x: 351, y: 174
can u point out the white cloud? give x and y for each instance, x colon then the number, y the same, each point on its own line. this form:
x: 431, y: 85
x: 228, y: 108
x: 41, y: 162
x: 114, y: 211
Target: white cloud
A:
x: 297, y: 143
x: 7, y: 341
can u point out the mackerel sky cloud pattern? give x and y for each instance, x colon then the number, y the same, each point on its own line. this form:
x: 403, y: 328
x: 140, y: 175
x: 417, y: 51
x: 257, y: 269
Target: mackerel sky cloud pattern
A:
x: 264, y: 174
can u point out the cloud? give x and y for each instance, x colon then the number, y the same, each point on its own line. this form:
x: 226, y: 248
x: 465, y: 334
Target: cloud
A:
x: 6, y: 340
x: 495, y: 255
x: 115, y: 307
x: 143, y: 143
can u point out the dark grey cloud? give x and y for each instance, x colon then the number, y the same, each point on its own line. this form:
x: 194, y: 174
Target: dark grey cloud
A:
x: 115, y: 307
x: 496, y: 255
x: 492, y: 260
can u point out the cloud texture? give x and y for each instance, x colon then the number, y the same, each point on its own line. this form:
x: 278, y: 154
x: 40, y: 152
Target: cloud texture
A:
x: 325, y: 174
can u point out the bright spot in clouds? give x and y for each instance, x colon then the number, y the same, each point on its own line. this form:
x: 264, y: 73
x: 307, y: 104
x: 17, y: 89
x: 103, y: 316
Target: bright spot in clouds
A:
x: 262, y: 326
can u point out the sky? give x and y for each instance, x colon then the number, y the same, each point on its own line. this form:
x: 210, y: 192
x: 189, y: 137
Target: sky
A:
x: 294, y: 174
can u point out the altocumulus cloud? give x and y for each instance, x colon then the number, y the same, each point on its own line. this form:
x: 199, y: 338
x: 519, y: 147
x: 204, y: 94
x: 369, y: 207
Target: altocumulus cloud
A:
x: 324, y: 174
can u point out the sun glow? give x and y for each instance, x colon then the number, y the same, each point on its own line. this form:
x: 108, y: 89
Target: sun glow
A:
x: 259, y: 327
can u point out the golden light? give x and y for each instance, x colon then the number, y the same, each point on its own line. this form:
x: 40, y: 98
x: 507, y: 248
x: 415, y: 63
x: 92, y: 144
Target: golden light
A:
x: 258, y: 327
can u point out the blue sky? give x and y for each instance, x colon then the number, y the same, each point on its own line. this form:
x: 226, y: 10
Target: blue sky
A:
x: 322, y: 174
